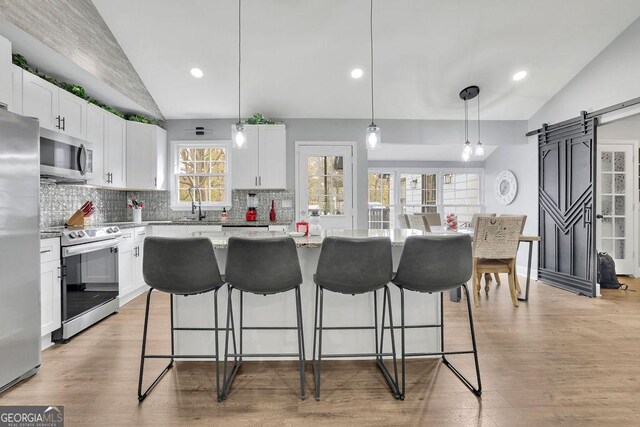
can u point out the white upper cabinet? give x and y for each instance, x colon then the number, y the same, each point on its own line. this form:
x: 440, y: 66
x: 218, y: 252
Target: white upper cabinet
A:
x: 244, y: 163
x: 56, y: 108
x: 40, y: 100
x: 272, y: 161
x: 95, y: 136
x: 16, y: 89
x: 146, y: 156
x: 161, y: 159
x: 6, y: 92
x: 115, y: 151
x: 73, y: 112
x: 262, y: 164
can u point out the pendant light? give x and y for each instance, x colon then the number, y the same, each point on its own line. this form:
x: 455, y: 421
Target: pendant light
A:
x: 466, y: 94
x: 373, y: 132
x: 479, y: 146
x: 239, y: 137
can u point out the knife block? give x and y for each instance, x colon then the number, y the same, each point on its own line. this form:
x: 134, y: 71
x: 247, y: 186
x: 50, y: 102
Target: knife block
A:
x: 78, y: 220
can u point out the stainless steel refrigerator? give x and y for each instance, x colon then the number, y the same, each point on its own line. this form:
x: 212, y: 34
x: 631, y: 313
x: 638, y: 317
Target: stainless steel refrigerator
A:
x: 19, y: 248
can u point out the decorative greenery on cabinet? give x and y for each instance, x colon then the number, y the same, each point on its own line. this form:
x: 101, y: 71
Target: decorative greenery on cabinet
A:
x: 79, y: 91
x: 259, y: 119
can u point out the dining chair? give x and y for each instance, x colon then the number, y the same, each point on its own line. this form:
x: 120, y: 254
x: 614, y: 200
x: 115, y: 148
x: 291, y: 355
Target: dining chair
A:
x: 495, y: 246
x: 524, y: 221
x: 473, y: 225
x: 403, y: 222
x: 418, y: 222
x: 433, y: 219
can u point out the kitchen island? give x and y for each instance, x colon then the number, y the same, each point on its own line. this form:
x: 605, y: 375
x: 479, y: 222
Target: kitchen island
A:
x: 279, y: 310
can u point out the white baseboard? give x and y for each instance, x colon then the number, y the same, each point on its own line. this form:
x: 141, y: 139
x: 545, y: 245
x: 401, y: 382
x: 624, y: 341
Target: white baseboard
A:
x: 133, y: 294
x: 45, y: 342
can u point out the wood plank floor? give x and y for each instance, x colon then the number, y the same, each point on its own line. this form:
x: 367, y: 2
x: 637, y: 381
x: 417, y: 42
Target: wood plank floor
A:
x: 560, y: 359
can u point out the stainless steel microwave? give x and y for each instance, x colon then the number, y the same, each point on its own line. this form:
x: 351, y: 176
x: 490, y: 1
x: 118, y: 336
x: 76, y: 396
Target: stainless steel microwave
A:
x: 62, y: 156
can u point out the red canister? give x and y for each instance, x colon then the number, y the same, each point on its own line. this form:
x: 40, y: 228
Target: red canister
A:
x: 302, y: 227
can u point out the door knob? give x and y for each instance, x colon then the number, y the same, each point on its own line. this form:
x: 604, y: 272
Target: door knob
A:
x: 599, y: 216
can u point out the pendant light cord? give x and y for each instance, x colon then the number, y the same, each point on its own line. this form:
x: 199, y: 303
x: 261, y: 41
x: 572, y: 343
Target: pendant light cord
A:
x: 466, y: 122
x: 239, y: 52
x: 478, y: 116
x: 371, y: 45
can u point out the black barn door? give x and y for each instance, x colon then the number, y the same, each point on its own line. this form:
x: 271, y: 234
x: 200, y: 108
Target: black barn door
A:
x: 566, y: 158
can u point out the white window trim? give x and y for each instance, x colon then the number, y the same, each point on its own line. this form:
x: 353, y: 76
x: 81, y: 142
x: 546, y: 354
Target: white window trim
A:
x: 440, y: 206
x: 215, y: 143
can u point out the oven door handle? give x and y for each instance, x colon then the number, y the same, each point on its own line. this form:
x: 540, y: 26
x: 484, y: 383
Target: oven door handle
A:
x: 89, y: 247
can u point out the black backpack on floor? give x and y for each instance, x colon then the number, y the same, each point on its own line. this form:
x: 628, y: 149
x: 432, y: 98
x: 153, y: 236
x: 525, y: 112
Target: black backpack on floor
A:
x: 607, y: 272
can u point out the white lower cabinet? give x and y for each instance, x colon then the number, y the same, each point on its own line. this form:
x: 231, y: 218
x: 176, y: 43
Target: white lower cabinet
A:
x: 130, y: 252
x: 50, y: 286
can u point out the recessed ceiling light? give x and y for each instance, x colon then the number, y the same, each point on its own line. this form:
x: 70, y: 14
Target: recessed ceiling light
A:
x: 197, y: 73
x: 356, y: 73
x: 519, y: 75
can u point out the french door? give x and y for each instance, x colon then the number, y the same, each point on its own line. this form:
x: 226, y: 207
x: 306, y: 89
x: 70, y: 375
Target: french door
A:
x: 614, y: 204
x: 566, y: 161
x: 324, y: 182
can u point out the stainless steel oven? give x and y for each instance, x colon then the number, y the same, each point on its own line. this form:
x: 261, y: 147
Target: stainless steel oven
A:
x: 62, y: 156
x: 89, y: 280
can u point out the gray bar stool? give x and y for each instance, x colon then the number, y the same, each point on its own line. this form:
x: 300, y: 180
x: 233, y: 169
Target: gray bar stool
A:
x: 179, y: 267
x: 355, y: 266
x: 264, y: 267
x: 436, y: 264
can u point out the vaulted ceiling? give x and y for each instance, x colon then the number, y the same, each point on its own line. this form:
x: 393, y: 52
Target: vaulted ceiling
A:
x: 297, y: 54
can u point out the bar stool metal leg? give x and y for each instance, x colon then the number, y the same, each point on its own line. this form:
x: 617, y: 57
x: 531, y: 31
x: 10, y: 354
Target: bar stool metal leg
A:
x: 318, y: 328
x: 301, y: 352
x: 142, y: 395
x: 378, y: 354
x: 238, y: 356
x: 476, y: 390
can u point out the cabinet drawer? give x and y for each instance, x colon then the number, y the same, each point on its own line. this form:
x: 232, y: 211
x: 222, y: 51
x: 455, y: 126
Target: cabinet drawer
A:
x: 128, y: 237
x: 283, y: 228
x: 140, y: 233
x: 49, y: 250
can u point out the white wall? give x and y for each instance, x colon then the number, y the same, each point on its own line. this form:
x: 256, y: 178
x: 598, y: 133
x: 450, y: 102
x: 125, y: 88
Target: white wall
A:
x: 611, y: 77
x: 522, y: 160
x: 450, y: 132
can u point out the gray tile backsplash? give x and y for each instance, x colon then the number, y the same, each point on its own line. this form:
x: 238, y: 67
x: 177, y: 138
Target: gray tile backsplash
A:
x: 58, y: 202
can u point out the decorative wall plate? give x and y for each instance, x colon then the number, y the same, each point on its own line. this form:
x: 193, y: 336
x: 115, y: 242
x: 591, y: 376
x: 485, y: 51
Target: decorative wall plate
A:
x: 506, y: 187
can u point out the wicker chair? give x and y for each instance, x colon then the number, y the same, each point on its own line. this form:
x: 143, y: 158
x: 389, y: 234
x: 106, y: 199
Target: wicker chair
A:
x: 495, y: 246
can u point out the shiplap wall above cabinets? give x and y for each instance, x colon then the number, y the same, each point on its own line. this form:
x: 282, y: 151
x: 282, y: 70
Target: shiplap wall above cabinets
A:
x: 263, y: 163
x: 126, y: 155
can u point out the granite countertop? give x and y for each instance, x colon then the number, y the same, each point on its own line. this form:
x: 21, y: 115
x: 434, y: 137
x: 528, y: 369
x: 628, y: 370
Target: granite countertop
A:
x: 53, y: 232
x: 220, y: 238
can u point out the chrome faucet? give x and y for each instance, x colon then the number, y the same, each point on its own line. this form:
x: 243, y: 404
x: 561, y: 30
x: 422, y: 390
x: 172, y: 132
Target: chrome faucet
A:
x: 201, y: 215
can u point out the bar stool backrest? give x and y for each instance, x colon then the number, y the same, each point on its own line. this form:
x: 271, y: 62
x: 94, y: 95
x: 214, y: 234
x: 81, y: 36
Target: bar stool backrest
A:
x: 263, y: 266
x: 182, y: 266
x: 354, y: 265
x: 435, y: 263
x: 497, y: 238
